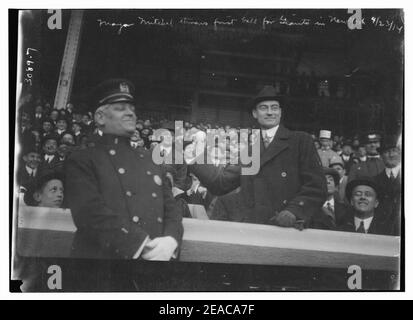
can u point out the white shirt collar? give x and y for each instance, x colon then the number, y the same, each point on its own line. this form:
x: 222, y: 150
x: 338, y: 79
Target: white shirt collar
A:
x: 394, y: 170
x: 270, y: 133
x: 49, y: 157
x: 30, y: 170
x: 331, y: 202
x: 367, y: 222
x: 345, y: 157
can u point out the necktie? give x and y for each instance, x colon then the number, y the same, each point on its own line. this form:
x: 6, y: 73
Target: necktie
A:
x: 361, y: 228
x: 392, y: 177
x: 266, y: 139
x: 329, y: 211
x: 330, y: 207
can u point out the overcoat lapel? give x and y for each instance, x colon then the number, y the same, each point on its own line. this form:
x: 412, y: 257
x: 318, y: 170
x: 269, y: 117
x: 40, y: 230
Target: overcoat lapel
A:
x: 278, y: 144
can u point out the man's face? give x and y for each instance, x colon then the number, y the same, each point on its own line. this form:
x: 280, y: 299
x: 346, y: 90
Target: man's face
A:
x: 77, y: 117
x: 347, y: 150
x: 61, y: 125
x: 117, y: 118
x: 371, y: 147
x: 68, y: 139
x: 141, y: 143
x: 364, y: 200
x: 136, y: 136
x: 54, y: 114
x: 267, y: 113
x: 50, y: 146
x: 63, y: 150
x: 339, y: 169
x: 32, y: 160
x: 39, y: 109
x: 168, y: 138
x: 331, y: 186
x: 362, y: 151
x: 391, y: 157
x: 147, y: 124
x: 325, y: 143
x: 85, y: 119
x: 76, y: 127
x: 47, y: 126
x: 51, y: 195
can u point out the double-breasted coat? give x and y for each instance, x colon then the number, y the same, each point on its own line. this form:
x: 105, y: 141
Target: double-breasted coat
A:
x: 290, y: 177
x: 118, y: 197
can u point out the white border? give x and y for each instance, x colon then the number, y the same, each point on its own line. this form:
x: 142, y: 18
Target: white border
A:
x: 4, y: 130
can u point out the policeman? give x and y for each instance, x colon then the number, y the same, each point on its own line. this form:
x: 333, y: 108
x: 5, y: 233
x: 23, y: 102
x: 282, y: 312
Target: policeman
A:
x: 374, y: 163
x: 119, y: 202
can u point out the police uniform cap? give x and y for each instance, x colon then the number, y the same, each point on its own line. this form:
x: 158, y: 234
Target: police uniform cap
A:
x: 112, y: 91
x: 371, y: 137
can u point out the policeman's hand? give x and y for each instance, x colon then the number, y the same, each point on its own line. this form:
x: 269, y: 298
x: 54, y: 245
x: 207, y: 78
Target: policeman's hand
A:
x: 160, y: 249
x: 284, y: 218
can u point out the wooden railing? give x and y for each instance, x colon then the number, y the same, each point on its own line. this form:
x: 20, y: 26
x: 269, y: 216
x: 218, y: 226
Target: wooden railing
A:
x: 46, y: 232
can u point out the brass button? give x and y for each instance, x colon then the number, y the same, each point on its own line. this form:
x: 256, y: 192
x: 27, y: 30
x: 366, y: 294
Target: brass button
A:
x: 112, y: 152
x: 157, y: 180
x: 148, y: 173
x: 141, y: 155
x: 135, y: 219
x: 283, y: 174
x: 160, y: 220
x: 301, y: 203
x: 121, y: 170
x: 285, y: 202
x: 154, y: 195
x: 128, y: 193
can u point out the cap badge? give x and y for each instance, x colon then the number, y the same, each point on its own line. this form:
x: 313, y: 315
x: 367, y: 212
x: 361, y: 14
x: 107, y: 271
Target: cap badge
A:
x: 123, y: 87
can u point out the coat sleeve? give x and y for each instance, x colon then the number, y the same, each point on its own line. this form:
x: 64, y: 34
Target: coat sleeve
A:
x: 173, y: 215
x: 104, y: 226
x: 313, y: 191
x: 218, y: 181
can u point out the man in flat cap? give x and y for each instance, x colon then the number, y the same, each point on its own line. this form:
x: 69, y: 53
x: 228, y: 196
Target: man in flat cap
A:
x: 117, y: 195
x: 290, y: 185
x: 364, y: 196
x: 374, y: 163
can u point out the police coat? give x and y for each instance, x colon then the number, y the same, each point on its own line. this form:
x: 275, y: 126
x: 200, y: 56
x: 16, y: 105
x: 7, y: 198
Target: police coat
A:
x: 390, y: 204
x: 290, y: 178
x: 118, y: 197
x: 370, y: 168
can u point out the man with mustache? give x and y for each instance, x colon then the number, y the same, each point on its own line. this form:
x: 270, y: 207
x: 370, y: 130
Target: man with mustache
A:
x: 119, y: 202
x: 364, y: 196
x: 290, y: 185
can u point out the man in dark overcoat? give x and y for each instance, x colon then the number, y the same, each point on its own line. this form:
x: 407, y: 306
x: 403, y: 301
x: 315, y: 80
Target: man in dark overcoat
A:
x: 118, y: 198
x: 290, y: 185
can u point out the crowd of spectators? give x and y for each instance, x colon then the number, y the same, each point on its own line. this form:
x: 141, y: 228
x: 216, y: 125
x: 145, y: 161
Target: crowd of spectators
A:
x: 47, y: 136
